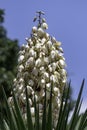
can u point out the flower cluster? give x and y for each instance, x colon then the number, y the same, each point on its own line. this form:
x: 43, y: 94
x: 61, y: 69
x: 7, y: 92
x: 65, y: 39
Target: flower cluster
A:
x: 40, y: 64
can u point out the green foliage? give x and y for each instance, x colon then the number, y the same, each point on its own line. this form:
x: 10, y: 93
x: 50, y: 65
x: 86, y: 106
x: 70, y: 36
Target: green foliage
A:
x: 1, y: 16
x: 8, y: 57
x: 15, y: 121
x: 71, y: 101
x: 8, y: 61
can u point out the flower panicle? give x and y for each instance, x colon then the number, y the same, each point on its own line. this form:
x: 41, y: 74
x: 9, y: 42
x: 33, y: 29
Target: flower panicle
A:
x: 41, y: 63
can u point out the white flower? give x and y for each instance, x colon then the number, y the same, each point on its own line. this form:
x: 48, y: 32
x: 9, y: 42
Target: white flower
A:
x: 60, y: 56
x: 31, y: 52
x: 37, y: 47
x: 43, y: 49
x: 34, y: 29
x: 42, y: 54
x: 44, y: 25
x: 20, y: 68
x: 26, y: 38
x: 23, y: 46
x: 53, y: 79
x: 22, y: 97
x: 35, y: 71
x: 42, y: 69
x: 15, y: 80
x: 36, y: 98
x: 56, y: 90
x: 32, y: 111
x: 27, y: 47
x: 58, y: 102
x: 54, y: 65
x: 46, y: 76
x: 30, y: 90
x: 49, y: 68
x: 21, y: 58
x: 53, y: 40
x: 30, y: 62
x: 57, y: 44
x: 30, y: 42
x: 40, y: 106
x: 22, y: 52
x: 43, y: 41
x: 49, y: 44
x: 43, y: 82
x: 57, y: 74
x: 38, y: 62
x: 56, y: 54
x: 48, y: 86
x: 30, y: 102
x: 53, y: 54
x: 31, y: 82
x: 46, y: 60
x: 64, y: 80
x: 20, y: 89
x: 14, y: 89
x: 63, y: 71
x: 21, y: 80
x: 60, y: 49
x: 53, y: 48
x: 35, y: 54
x: 10, y: 101
x: 62, y: 63
x: 40, y: 32
x: 47, y: 36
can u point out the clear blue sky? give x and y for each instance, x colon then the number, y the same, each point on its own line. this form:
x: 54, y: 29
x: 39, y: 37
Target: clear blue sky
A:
x: 67, y: 20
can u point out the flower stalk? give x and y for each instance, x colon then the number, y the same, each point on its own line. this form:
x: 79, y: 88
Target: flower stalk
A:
x: 41, y: 65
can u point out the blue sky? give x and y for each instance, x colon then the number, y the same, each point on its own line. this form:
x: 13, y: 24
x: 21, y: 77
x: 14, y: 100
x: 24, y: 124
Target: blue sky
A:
x: 67, y: 20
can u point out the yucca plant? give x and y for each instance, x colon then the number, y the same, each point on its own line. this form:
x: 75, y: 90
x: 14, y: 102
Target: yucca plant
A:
x: 38, y: 100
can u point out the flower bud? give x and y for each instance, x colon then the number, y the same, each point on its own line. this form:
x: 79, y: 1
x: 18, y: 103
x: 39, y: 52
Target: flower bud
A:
x: 44, y: 26
x: 38, y: 63
x: 21, y: 58
x: 34, y: 29
x: 40, y: 32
